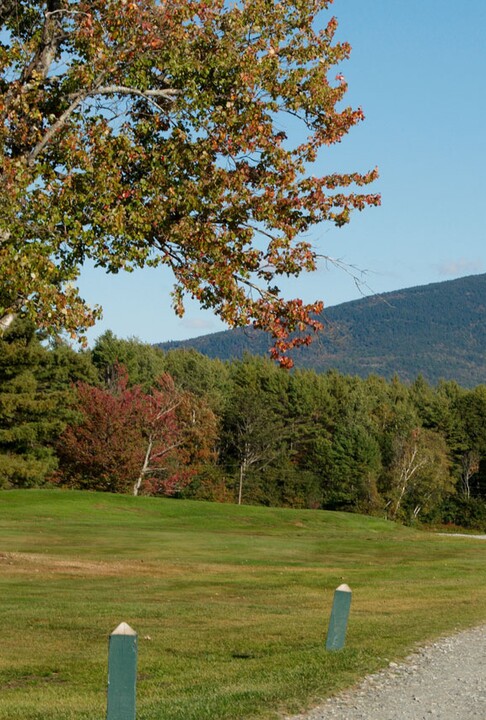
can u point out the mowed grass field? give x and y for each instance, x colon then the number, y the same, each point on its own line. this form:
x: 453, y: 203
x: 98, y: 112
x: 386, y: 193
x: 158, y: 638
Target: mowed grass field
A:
x: 231, y: 604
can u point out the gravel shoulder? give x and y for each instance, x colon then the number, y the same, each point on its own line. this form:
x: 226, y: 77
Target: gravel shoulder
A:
x: 446, y: 680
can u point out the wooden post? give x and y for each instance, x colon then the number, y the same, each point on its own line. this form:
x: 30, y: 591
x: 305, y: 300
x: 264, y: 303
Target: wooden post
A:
x: 338, y: 623
x: 122, y: 673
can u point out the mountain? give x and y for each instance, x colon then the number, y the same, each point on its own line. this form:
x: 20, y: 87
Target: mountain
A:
x: 436, y: 330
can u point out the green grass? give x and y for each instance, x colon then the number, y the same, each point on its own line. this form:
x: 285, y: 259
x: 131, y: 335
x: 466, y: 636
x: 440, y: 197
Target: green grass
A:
x: 231, y: 604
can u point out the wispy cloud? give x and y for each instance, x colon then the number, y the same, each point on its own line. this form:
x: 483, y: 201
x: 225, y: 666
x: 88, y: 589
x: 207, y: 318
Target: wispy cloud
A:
x: 195, y: 323
x: 461, y: 266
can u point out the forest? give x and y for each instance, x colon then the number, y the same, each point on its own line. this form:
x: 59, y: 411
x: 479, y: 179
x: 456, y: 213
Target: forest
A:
x: 127, y: 417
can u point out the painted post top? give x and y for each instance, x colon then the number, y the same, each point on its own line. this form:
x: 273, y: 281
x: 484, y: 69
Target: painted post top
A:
x: 344, y: 588
x: 123, y: 629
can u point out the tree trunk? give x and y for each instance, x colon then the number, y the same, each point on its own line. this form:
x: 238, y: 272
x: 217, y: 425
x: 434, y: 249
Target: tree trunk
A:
x: 12, y: 311
x: 6, y: 321
x: 144, y: 469
x: 240, y: 488
x: 399, y: 501
x: 470, y: 466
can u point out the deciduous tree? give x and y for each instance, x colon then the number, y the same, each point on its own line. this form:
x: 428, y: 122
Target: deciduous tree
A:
x: 128, y: 440
x: 138, y: 133
x: 253, y: 423
x: 419, y: 474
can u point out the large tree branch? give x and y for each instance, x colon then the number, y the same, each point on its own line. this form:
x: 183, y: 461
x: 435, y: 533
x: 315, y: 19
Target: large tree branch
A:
x: 45, y: 53
x: 166, y: 410
x: 80, y: 97
x: 167, y: 93
x: 165, y: 451
x: 54, y: 129
x: 48, y: 48
x: 149, y: 95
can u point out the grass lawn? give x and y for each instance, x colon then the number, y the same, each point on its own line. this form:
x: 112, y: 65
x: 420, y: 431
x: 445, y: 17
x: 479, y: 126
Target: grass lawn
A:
x: 231, y: 604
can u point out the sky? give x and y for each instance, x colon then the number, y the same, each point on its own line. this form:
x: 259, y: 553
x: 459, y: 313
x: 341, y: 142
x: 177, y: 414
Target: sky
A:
x: 418, y: 70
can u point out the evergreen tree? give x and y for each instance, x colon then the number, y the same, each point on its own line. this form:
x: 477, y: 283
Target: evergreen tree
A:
x: 143, y: 362
x: 349, y: 477
x: 34, y: 405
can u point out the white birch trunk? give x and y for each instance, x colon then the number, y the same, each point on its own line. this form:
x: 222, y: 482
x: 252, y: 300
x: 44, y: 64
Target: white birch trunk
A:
x: 6, y: 321
x: 143, y: 471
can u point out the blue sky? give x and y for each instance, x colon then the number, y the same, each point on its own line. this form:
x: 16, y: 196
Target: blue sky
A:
x: 418, y: 70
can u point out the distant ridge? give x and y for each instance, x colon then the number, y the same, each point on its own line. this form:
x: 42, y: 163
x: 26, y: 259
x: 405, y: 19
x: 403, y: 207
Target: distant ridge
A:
x: 437, y: 330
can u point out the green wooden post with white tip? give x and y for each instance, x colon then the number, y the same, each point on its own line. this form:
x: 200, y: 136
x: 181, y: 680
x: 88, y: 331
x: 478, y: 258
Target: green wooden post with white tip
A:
x: 338, y: 623
x: 122, y: 673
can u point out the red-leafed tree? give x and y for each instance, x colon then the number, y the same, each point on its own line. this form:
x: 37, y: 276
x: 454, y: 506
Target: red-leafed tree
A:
x: 137, y: 133
x: 162, y: 434
x: 128, y: 440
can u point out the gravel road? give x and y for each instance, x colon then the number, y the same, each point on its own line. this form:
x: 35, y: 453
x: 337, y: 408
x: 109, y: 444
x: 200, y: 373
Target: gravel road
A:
x: 444, y: 680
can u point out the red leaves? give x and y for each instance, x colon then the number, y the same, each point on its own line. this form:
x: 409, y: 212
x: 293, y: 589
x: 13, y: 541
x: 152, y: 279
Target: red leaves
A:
x: 125, y: 434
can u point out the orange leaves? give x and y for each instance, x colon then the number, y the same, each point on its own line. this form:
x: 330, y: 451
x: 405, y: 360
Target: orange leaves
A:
x: 172, y: 146
x: 291, y: 323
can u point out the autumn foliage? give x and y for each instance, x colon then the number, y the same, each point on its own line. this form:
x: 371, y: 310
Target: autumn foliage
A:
x: 128, y: 440
x: 143, y: 133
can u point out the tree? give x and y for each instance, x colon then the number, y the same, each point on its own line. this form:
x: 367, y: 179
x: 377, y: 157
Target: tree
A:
x: 180, y: 432
x: 138, y: 133
x: 349, y: 481
x: 307, y: 413
x: 126, y: 439
x: 253, y: 426
x: 472, y: 406
x: 418, y: 475
x: 102, y: 449
x: 35, y: 399
x: 253, y: 433
x: 143, y: 362
x: 156, y: 413
x: 469, y: 467
x: 200, y: 375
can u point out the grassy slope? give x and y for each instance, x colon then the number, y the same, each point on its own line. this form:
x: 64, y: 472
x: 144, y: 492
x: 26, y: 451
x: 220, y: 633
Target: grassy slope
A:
x: 231, y: 604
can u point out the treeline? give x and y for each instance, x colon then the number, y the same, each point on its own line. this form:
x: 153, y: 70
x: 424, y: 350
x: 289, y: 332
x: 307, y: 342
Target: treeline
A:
x: 127, y: 417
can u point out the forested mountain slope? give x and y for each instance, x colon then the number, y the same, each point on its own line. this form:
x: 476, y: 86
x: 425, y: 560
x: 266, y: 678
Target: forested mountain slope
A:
x: 436, y: 330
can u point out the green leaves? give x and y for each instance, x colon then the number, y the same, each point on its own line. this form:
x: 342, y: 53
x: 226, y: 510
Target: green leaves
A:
x: 137, y: 133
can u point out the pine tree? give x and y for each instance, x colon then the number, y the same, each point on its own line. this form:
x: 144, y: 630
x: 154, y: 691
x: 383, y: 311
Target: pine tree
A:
x: 33, y: 408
